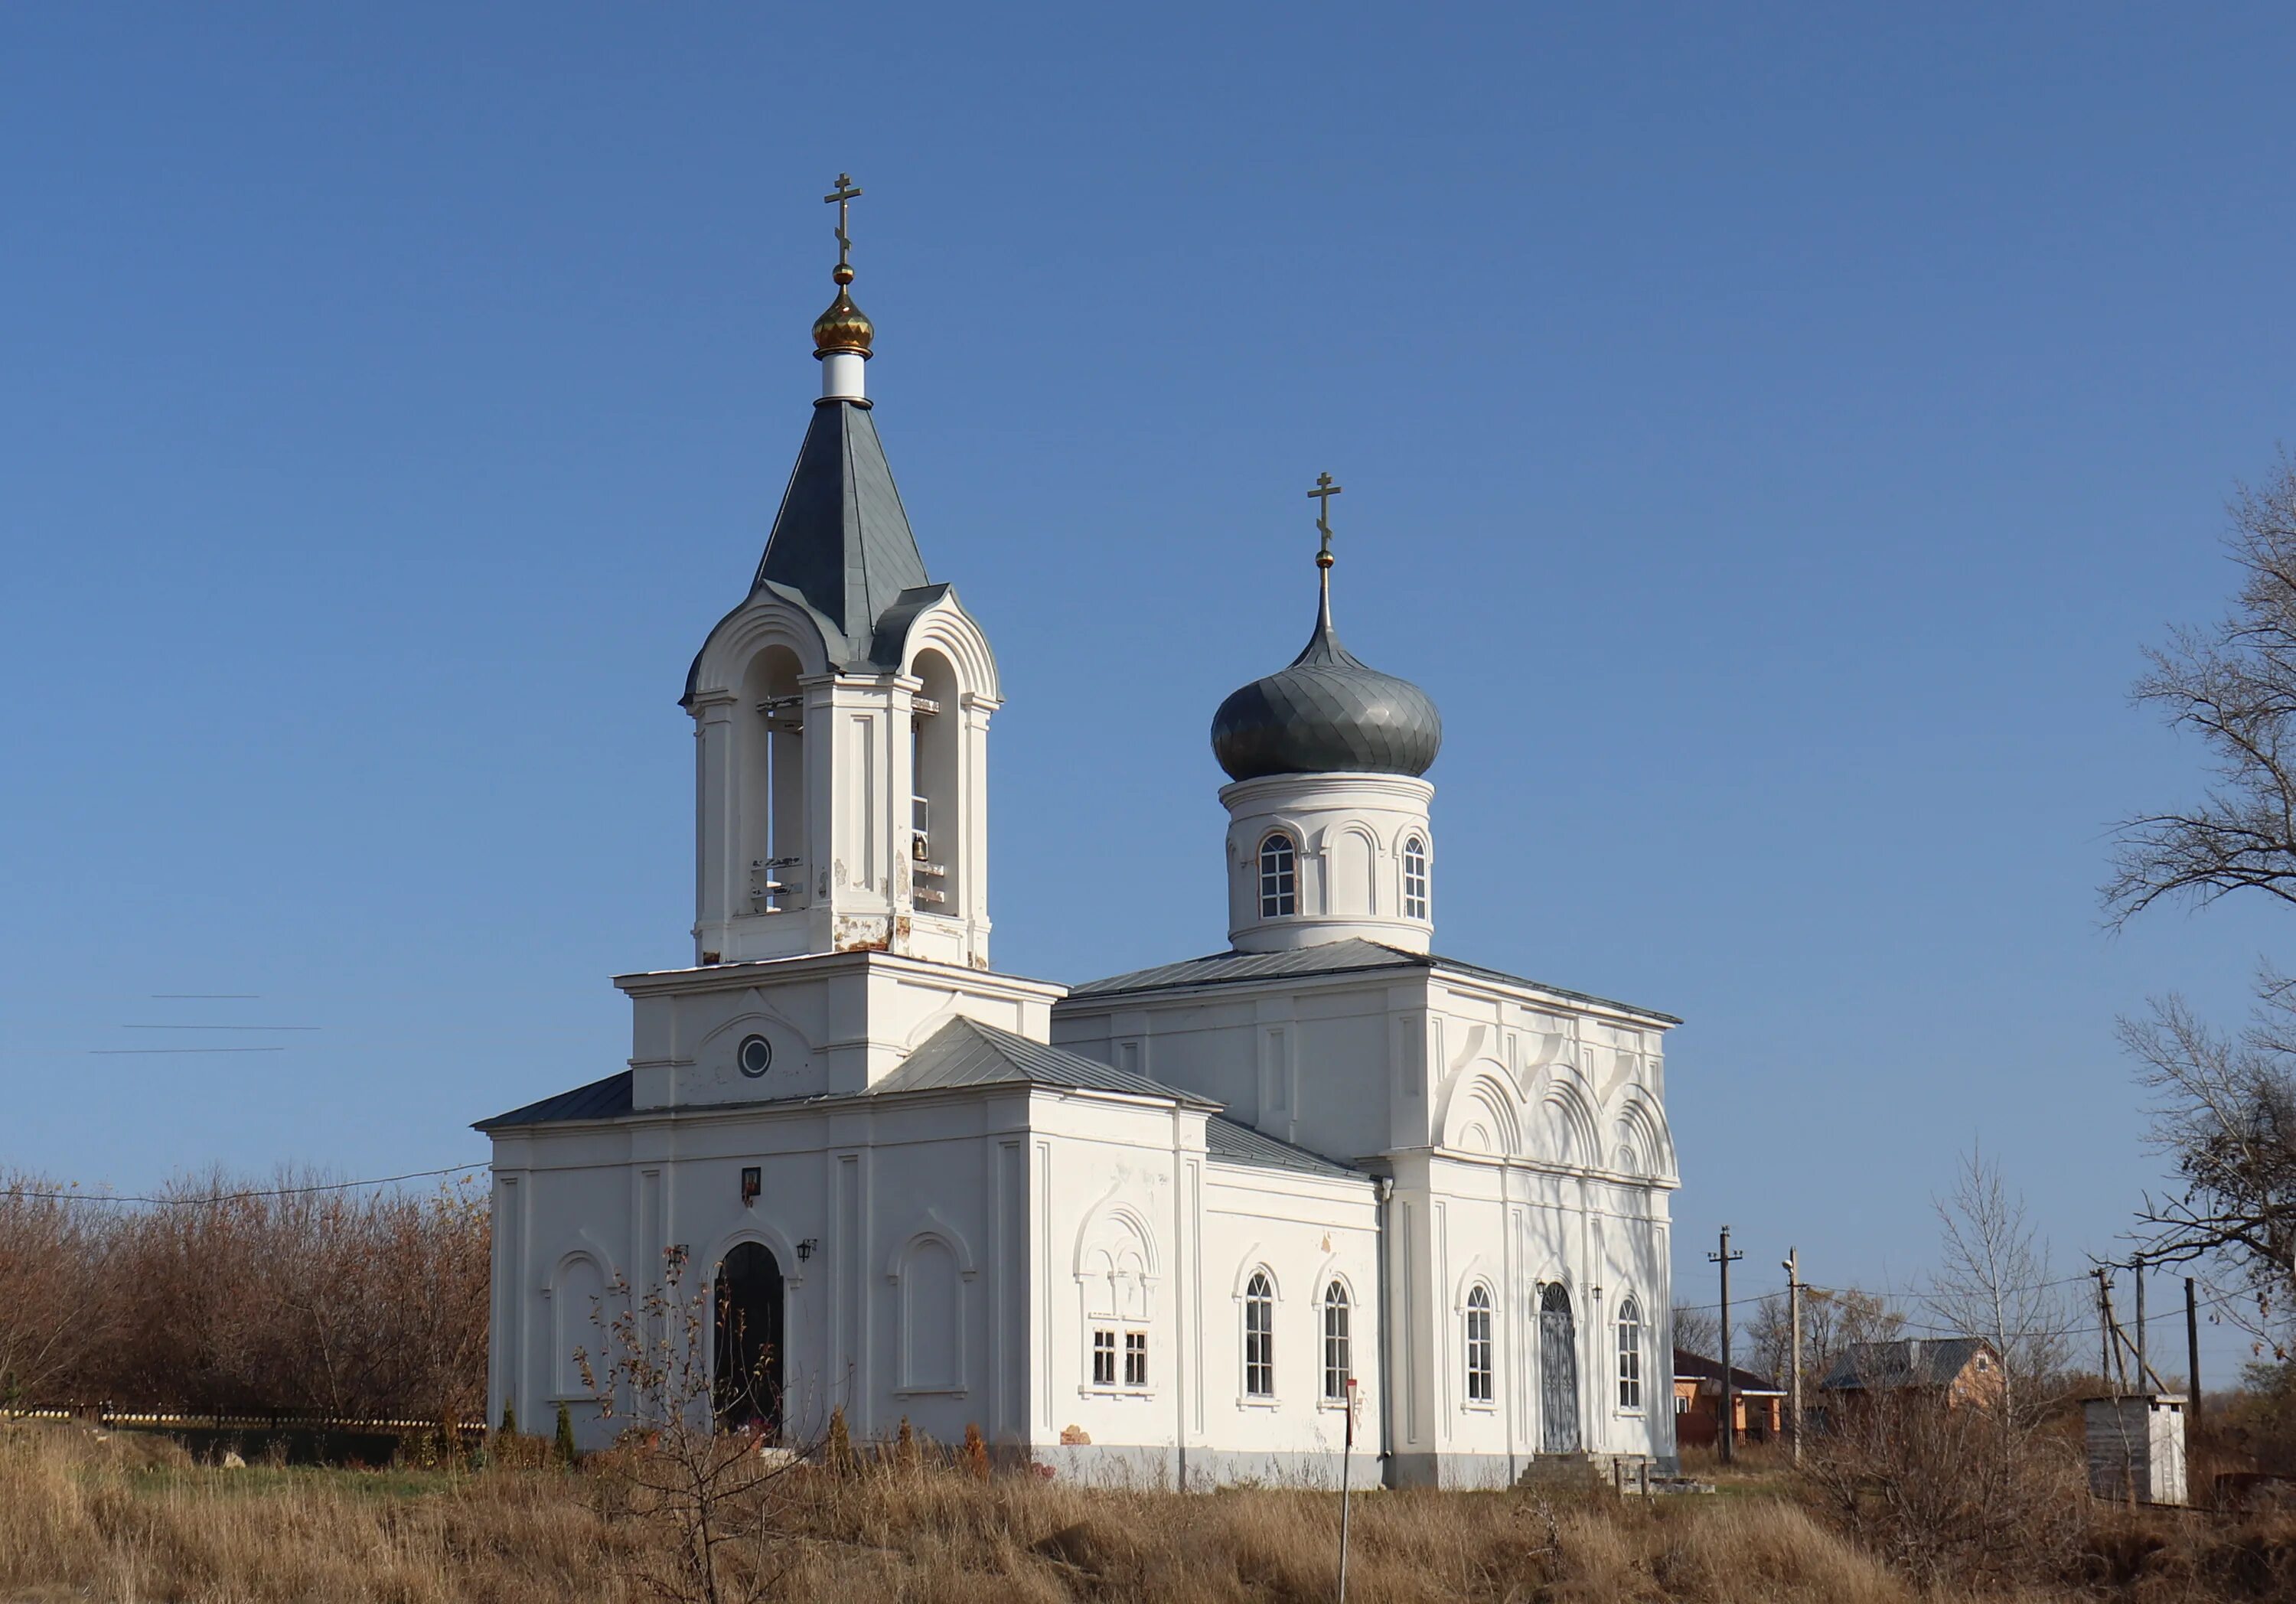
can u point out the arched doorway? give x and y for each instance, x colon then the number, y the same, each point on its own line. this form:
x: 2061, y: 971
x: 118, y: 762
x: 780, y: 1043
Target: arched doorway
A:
x: 1558, y: 1372
x: 747, y: 1369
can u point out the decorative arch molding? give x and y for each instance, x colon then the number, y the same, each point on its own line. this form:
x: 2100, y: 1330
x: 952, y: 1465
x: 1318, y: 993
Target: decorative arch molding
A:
x: 933, y: 1227
x: 945, y: 628
x: 585, y: 1247
x: 1644, y: 1124
x: 1249, y: 846
x: 1117, y: 1265
x: 755, y: 1012
x: 1482, y: 1113
x: 1327, y: 1272
x: 766, y: 620
x: 1109, y: 1213
x: 1478, y: 1273
x: 762, y: 1230
x: 1256, y: 1263
x: 1574, y: 1115
x: 576, y: 1326
x: 930, y: 1306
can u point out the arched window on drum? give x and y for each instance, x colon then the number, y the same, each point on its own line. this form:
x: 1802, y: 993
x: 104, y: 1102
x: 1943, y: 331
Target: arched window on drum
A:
x: 1279, y: 876
x: 1414, y: 878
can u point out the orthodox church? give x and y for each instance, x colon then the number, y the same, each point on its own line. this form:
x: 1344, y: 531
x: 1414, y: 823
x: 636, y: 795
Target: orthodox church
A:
x: 1175, y: 1227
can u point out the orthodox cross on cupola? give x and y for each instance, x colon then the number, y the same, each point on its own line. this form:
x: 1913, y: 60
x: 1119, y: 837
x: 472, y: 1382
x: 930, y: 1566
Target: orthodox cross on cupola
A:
x: 842, y: 197
x: 843, y: 335
x: 1321, y: 496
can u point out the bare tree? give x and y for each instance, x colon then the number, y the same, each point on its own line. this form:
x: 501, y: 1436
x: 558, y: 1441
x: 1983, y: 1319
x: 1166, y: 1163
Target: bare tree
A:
x: 1698, y: 1331
x: 2225, y: 1115
x: 2234, y: 685
x: 1993, y: 1280
x: 1832, y: 1319
x: 716, y: 1494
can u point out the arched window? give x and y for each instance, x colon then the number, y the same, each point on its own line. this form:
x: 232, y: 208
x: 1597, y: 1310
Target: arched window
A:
x: 1339, y: 1364
x: 1259, y: 1337
x: 1414, y: 878
x: 1279, y: 877
x: 1478, y: 1346
x: 1630, y: 1354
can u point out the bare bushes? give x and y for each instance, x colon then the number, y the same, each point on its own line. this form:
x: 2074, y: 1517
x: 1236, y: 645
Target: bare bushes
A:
x: 1949, y: 1494
x: 239, y: 1297
x: 52, y: 1248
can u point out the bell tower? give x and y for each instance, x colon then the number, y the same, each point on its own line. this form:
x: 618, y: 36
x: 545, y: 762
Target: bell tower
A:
x: 841, y: 711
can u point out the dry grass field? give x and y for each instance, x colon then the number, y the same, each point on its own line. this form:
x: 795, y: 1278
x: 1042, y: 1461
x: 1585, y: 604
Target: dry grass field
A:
x: 133, y: 1518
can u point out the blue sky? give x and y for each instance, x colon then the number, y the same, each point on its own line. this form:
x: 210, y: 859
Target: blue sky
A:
x: 1769, y: 434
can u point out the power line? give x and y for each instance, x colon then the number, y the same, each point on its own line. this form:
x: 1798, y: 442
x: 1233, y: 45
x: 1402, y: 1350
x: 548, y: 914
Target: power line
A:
x: 276, y: 1192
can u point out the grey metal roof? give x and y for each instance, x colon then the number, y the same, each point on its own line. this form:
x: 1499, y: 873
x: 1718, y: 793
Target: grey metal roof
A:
x: 1328, y: 712
x: 842, y: 539
x: 1225, y: 1139
x: 600, y: 1099
x: 1331, y: 958
x: 1912, y: 1362
x: 966, y: 1052
x: 963, y: 1052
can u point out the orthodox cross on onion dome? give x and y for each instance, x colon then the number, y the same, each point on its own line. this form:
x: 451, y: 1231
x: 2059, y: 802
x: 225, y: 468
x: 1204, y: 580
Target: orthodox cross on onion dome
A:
x: 1321, y: 495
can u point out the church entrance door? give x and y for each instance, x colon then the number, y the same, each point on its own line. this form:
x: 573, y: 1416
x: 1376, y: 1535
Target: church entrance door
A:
x: 1558, y: 1372
x: 747, y: 1369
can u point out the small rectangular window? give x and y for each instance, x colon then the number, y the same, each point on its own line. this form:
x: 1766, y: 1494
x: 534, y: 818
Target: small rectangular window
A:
x: 1103, y: 1358
x: 1136, y: 1358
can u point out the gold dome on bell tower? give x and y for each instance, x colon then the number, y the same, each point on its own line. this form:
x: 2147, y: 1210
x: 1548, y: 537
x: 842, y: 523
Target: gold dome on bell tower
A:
x: 844, y: 327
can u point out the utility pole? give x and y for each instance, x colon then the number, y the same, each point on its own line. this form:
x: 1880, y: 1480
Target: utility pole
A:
x: 1726, y: 1258
x: 2137, y: 1265
x: 2192, y: 1355
x: 1793, y: 1319
x: 2104, y: 1332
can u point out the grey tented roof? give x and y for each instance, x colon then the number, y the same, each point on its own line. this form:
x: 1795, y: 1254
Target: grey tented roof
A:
x: 1328, y: 712
x: 966, y: 1052
x: 1224, y: 1139
x: 842, y: 539
x: 1910, y: 1362
x: 1331, y: 958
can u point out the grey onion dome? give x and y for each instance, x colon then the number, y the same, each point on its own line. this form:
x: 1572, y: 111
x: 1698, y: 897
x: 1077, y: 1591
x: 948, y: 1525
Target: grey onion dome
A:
x: 1328, y: 712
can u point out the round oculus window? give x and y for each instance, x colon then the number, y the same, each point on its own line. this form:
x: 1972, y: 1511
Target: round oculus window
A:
x: 756, y: 1056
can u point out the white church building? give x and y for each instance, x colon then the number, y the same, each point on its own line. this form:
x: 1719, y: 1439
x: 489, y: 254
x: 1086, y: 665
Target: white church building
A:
x: 1157, y: 1227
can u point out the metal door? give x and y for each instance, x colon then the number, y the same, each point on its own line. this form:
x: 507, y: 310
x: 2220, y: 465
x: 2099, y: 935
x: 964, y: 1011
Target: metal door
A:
x: 1558, y: 1372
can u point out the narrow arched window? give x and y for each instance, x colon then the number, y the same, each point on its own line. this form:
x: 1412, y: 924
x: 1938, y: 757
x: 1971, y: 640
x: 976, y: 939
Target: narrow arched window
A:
x: 1630, y: 1354
x: 1279, y: 877
x: 1414, y: 878
x: 1338, y: 1363
x: 1478, y: 1346
x: 1259, y: 1337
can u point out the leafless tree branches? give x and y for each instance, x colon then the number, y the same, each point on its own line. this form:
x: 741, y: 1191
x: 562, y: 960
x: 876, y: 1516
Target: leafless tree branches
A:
x: 1832, y: 1319
x: 1993, y: 1280
x: 2233, y: 684
x: 2225, y: 1115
